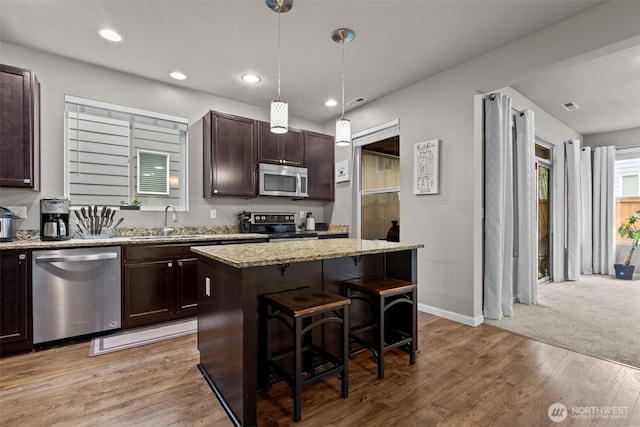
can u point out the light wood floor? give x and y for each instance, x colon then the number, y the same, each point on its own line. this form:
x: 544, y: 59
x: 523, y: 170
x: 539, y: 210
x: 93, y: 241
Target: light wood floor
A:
x: 463, y: 376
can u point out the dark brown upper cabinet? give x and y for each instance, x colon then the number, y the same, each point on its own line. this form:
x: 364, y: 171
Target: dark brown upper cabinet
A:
x: 281, y: 149
x: 229, y: 155
x: 319, y: 161
x: 19, y: 128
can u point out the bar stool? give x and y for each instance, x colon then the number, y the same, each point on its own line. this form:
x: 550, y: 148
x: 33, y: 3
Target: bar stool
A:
x: 302, y: 311
x: 397, y: 331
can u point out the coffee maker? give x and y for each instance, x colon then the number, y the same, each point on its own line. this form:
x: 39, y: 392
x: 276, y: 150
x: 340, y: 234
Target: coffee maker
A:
x: 54, y: 219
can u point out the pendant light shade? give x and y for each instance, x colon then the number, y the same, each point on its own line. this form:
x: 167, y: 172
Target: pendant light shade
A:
x: 343, y: 132
x: 279, y: 116
x: 279, y: 108
x: 343, y: 126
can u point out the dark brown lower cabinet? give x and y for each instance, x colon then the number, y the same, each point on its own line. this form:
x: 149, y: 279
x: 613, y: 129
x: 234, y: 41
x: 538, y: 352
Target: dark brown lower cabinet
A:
x: 15, y: 302
x: 159, y: 284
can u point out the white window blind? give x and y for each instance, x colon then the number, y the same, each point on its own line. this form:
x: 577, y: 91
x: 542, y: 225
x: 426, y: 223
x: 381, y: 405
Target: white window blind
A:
x: 98, y: 159
x: 104, y: 144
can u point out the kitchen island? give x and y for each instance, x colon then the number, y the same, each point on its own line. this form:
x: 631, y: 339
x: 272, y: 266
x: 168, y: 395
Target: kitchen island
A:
x: 231, y: 279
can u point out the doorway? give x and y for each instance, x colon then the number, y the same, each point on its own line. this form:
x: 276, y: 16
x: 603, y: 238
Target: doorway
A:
x: 379, y: 189
x: 543, y: 156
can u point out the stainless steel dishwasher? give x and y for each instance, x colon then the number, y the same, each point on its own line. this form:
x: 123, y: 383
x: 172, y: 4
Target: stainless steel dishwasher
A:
x: 75, y: 292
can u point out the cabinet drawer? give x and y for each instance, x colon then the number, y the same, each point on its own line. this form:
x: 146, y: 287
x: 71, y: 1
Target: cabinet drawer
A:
x: 157, y: 252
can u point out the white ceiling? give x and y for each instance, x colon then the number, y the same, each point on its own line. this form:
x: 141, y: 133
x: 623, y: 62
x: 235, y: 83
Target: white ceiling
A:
x: 397, y: 43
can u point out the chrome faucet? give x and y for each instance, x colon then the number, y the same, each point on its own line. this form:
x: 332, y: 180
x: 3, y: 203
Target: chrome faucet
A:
x: 166, y: 230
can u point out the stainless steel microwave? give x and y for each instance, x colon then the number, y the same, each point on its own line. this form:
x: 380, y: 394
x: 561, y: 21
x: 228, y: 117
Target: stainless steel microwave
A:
x: 280, y: 180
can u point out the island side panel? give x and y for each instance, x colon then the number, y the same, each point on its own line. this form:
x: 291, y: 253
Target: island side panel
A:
x: 402, y: 265
x: 227, y: 335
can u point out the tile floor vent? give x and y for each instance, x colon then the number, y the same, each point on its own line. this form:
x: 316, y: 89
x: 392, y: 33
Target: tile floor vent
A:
x: 570, y: 106
x: 356, y: 101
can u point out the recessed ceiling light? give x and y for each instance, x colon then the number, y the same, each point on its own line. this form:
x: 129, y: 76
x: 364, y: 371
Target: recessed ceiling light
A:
x: 110, y: 35
x: 178, y: 75
x: 331, y: 103
x: 251, y: 78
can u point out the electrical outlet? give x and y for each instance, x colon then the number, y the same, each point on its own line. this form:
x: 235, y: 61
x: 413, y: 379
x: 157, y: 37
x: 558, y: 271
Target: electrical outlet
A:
x: 213, y: 214
x: 301, y: 214
x: 19, y: 211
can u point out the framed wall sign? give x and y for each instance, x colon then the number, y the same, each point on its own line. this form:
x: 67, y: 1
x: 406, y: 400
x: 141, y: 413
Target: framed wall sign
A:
x: 342, y: 171
x: 426, y: 167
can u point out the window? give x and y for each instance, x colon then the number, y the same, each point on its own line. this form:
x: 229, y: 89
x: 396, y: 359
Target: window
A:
x: 116, y: 154
x: 626, y: 185
x: 629, y: 185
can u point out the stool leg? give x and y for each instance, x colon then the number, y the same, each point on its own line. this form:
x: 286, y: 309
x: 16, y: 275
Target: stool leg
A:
x: 381, y: 328
x: 345, y: 351
x: 268, y: 354
x: 297, y: 370
x: 414, y: 328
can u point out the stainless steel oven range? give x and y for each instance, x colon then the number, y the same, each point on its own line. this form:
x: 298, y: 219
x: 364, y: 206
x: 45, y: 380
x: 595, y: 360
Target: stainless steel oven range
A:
x: 278, y: 225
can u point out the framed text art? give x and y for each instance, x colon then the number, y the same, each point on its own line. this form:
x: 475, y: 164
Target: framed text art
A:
x: 426, y: 167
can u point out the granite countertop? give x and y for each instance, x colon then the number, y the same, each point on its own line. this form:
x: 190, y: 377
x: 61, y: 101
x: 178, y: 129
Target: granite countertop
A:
x: 273, y: 253
x: 140, y: 236
x: 131, y: 240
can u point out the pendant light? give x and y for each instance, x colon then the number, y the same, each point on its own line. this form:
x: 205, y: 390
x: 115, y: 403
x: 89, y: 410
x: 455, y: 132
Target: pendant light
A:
x: 279, y: 108
x: 343, y: 126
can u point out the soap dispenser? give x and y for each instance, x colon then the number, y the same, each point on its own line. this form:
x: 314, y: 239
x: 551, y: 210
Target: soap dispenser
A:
x: 311, y: 222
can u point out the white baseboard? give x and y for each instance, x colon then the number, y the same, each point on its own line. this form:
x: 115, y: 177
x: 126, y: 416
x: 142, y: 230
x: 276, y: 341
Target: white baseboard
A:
x: 456, y: 317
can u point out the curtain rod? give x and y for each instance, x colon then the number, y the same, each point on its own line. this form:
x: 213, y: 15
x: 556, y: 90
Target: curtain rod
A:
x: 493, y: 98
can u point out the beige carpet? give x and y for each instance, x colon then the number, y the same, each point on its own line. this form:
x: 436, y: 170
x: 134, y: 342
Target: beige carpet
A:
x: 141, y: 336
x: 597, y: 315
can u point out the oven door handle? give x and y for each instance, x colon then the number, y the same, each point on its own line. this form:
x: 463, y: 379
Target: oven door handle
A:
x: 78, y: 258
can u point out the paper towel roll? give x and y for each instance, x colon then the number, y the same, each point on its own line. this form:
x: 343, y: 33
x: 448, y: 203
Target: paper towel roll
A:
x: 311, y: 223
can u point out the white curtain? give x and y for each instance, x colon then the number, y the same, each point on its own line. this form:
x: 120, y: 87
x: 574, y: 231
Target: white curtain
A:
x: 526, y: 265
x: 573, y: 243
x: 586, y: 195
x: 510, y: 252
x: 603, y: 210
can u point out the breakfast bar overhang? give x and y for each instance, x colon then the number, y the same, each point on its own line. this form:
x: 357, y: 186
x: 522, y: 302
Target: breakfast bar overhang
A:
x: 231, y: 279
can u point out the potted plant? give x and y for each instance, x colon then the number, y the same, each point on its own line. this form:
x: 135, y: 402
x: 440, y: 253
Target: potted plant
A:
x: 132, y: 205
x: 628, y: 230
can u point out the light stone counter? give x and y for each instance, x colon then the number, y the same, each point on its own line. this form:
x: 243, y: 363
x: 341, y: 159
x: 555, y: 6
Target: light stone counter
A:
x: 133, y: 240
x: 273, y: 253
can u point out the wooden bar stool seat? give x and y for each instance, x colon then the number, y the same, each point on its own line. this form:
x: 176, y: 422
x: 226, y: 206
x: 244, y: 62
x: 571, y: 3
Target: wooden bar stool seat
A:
x: 302, y: 311
x: 394, y: 313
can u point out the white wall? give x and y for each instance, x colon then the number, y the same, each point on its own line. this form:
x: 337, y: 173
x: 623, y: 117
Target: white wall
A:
x: 448, y: 107
x: 59, y: 76
x: 621, y: 139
